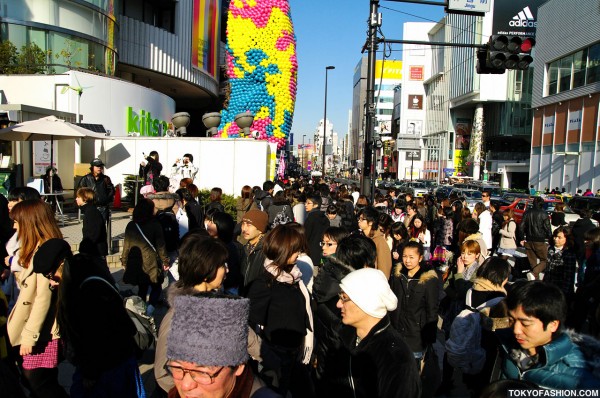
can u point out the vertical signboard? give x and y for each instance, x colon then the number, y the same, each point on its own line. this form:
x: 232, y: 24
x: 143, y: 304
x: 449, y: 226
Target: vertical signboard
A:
x: 462, y: 143
x: 205, y: 35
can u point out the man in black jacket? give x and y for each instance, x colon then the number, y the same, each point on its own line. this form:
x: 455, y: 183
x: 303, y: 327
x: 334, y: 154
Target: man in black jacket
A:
x: 536, y: 229
x: 101, y: 185
x: 254, y: 226
x: 378, y: 363
x: 314, y: 227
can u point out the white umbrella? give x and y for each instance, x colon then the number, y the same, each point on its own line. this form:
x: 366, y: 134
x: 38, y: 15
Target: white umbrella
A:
x: 48, y: 128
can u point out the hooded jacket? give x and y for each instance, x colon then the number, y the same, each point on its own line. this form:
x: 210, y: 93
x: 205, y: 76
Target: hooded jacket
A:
x: 381, y: 365
x: 569, y: 361
x: 417, y: 312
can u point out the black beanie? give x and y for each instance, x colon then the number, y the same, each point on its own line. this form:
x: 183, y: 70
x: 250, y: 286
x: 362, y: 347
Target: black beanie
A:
x: 50, y: 255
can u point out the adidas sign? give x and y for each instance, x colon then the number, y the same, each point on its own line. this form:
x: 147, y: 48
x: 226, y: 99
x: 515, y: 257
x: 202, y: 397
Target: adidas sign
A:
x: 524, y: 19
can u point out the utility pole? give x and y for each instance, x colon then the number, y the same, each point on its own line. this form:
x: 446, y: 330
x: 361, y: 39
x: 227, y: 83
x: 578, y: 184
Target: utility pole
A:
x: 369, y: 173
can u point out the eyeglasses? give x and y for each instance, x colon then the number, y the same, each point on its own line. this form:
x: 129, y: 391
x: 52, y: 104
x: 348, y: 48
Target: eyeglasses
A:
x: 328, y: 244
x: 485, y: 196
x: 200, y: 377
x: 361, y: 219
x: 344, y: 297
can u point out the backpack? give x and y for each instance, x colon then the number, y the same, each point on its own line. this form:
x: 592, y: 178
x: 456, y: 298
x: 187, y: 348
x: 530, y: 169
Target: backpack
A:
x: 170, y: 228
x: 463, y: 347
x: 145, y: 336
x: 281, y: 217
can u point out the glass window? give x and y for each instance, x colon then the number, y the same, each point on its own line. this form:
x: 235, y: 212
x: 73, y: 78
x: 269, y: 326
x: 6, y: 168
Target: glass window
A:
x: 565, y: 73
x: 553, y: 78
x: 593, y: 65
x: 579, y: 60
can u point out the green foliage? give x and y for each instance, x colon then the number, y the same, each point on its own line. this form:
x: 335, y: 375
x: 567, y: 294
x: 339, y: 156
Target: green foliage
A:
x: 31, y: 60
x: 228, y: 201
x: 8, y: 57
x: 69, y: 53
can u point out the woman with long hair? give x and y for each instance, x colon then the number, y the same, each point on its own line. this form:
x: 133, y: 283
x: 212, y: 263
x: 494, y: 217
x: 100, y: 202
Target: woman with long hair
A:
x: 144, y: 254
x: 202, y: 268
x: 368, y: 222
x: 223, y: 227
x: 32, y: 326
x: 401, y: 237
x: 419, y: 232
x: 150, y: 168
x: 508, y: 233
x: 562, y: 262
x: 280, y: 311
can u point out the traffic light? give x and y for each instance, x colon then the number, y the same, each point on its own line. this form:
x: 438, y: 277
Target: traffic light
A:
x: 505, y: 52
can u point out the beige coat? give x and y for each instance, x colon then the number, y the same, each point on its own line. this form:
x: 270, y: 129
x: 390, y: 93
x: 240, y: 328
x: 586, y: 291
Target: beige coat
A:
x: 33, y: 318
x: 384, y: 254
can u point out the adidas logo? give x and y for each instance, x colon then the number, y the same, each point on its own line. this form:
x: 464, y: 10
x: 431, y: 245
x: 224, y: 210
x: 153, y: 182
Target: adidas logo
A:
x: 524, y: 19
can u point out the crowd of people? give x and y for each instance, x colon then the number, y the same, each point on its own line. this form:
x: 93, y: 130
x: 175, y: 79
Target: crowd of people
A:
x: 307, y: 288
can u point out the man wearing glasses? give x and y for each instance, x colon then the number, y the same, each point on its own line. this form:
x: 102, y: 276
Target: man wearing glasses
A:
x: 314, y: 226
x: 377, y: 361
x: 485, y: 198
x: 207, y: 349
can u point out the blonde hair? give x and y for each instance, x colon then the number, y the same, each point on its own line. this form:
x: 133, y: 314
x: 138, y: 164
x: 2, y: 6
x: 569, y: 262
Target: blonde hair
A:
x: 470, y: 246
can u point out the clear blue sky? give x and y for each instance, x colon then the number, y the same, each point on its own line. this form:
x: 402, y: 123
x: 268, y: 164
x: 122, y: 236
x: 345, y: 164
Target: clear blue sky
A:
x: 333, y: 32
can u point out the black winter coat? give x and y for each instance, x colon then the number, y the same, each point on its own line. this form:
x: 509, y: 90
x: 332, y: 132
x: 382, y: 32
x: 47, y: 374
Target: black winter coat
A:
x: 314, y: 227
x: 102, y: 186
x: 579, y: 229
x: 94, y: 232
x: 280, y: 308
x: 253, y: 265
x: 535, y: 225
x: 417, y: 313
x: 381, y: 366
x: 328, y: 323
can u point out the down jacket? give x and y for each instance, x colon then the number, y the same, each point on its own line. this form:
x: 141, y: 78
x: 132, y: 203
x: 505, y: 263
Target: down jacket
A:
x: 417, y: 313
x: 571, y: 361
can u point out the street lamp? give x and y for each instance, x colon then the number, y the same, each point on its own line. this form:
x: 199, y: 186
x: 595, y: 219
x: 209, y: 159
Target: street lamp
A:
x: 327, y: 69
x: 302, y: 153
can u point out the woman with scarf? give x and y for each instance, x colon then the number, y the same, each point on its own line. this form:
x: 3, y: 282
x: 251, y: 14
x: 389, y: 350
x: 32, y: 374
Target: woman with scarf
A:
x: 562, y: 262
x: 280, y: 311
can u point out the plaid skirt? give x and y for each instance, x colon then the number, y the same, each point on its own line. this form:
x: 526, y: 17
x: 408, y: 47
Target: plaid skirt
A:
x: 43, y: 356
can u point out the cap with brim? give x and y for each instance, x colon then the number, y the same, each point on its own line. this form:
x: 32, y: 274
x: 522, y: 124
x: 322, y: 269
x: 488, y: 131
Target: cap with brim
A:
x: 97, y: 162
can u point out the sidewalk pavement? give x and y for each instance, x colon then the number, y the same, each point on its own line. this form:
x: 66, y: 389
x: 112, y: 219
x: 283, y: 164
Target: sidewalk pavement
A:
x: 72, y: 233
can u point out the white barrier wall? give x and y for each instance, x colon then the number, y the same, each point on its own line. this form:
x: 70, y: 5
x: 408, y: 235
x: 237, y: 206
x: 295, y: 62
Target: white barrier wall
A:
x: 226, y: 163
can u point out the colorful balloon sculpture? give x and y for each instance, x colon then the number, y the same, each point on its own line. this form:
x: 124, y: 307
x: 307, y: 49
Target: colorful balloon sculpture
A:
x: 262, y: 68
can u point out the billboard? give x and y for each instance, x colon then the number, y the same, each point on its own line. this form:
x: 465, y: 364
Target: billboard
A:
x: 516, y: 18
x: 205, y: 35
x: 389, y: 69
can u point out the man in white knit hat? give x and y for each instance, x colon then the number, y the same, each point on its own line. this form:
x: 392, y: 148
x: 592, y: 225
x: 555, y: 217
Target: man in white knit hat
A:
x: 378, y: 362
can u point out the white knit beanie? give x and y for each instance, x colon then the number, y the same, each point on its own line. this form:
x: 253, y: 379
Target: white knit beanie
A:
x: 370, y: 291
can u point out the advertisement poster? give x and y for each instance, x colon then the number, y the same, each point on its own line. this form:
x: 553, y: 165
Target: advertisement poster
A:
x: 462, y: 130
x: 416, y: 72
x: 205, y: 35
x: 414, y: 127
x: 41, y: 157
x: 389, y: 69
x: 460, y: 162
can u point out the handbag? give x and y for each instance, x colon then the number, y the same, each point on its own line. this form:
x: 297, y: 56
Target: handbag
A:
x: 159, y: 261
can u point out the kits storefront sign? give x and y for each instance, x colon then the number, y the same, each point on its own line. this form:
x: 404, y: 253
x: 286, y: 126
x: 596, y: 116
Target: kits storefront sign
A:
x: 141, y: 123
x: 517, y: 18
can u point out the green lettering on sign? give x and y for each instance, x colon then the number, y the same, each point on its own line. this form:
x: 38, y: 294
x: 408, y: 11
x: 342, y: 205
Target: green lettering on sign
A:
x: 142, y: 124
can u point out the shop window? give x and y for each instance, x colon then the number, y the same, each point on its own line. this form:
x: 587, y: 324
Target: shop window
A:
x: 553, y: 78
x: 593, y: 65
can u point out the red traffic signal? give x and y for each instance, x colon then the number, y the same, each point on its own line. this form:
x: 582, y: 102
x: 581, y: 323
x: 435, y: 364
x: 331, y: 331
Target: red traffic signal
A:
x: 527, y: 44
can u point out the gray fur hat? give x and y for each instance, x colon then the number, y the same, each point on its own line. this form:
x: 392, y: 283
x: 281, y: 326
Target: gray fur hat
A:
x: 209, y: 330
